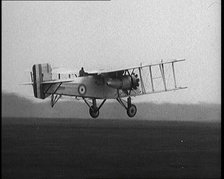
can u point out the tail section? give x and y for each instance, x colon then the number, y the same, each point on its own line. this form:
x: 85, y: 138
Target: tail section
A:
x: 41, y: 73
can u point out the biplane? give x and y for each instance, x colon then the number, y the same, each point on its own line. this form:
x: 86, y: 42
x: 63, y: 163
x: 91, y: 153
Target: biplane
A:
x: 96, y: 87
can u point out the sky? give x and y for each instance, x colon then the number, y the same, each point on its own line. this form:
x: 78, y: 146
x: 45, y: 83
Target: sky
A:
x: 115, y: 34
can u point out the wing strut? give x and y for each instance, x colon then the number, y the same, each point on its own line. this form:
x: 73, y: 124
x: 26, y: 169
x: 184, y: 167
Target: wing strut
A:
x: 174, y: 77
x: 161, y: 66
x: 31, y: 76
x: 150, y: 73
x: 142, y: 84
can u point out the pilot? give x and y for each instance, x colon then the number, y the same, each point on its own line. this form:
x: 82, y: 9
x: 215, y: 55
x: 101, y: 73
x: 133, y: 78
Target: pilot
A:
x: 82, y: 72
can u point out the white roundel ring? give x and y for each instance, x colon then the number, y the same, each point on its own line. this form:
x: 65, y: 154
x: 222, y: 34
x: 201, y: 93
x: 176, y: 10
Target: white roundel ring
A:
x: 82, y: 89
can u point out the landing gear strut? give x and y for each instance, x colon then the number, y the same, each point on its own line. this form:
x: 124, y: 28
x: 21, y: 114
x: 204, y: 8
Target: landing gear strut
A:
x: 93, y: 109
x: 130, y: 108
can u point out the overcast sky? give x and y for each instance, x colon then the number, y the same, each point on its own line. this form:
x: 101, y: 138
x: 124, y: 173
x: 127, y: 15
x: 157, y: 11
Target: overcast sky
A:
x: 115, y: 34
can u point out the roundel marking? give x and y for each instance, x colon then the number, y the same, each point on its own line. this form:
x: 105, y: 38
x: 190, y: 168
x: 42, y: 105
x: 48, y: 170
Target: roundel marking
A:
x: 82, y: 89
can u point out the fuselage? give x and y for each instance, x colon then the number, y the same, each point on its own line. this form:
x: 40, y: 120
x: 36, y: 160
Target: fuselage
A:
x: 92, y: 86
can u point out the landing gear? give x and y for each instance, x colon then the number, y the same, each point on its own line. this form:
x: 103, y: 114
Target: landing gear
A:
x: 54, y: 99
x: 94, y: 111
x: 130, y: 108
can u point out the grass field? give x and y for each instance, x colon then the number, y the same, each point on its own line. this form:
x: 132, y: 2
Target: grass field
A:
x: 83, y: 148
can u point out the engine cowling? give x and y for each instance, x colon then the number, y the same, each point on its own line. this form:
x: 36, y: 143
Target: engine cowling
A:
x: 126, y: 82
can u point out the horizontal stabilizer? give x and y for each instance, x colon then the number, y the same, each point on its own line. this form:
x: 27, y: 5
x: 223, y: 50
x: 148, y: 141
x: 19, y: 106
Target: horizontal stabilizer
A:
x: 26, y: 83
x: 57, y: 81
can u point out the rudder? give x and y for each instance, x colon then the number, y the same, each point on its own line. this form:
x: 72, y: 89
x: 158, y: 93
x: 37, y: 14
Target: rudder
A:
x: 41, y: 73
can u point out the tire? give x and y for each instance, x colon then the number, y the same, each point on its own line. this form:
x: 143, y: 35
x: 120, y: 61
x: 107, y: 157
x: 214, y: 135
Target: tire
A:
x: 93, y: 113
x: 132, y: 110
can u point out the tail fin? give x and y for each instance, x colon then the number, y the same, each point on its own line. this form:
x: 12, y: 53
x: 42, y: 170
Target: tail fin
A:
x: 41, y: 73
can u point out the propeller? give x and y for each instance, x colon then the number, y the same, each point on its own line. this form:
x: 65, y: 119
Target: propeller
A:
x: 135, y: 81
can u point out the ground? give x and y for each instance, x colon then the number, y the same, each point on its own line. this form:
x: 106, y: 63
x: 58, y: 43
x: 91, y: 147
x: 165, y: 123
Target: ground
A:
x: 91, y: 148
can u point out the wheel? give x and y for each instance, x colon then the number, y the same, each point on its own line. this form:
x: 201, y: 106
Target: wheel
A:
x: 132, y: 110
x: 93, y: 112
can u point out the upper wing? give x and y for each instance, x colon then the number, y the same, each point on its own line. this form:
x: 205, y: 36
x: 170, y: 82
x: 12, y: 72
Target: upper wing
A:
x: 102, y: 71
x: 160, y: 77
x: 155, y: 78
